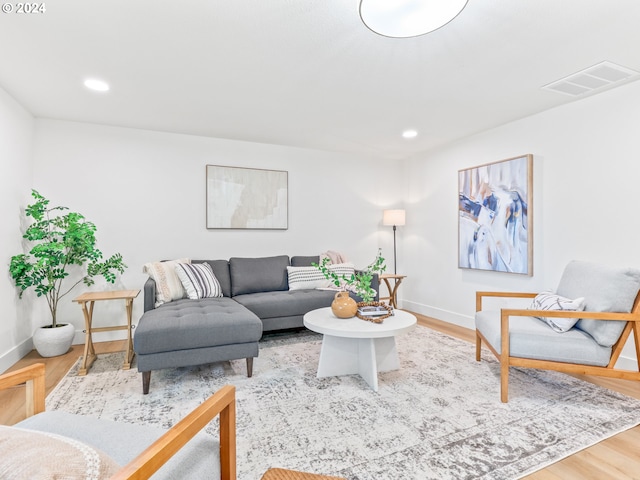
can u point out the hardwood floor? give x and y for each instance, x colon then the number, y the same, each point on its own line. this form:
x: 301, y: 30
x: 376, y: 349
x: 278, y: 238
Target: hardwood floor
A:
x: 12, y: 400
x: 615, y: 458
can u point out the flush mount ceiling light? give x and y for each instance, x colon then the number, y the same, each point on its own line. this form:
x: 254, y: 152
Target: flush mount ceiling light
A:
x: 96, y: 85
x: 408, y: 18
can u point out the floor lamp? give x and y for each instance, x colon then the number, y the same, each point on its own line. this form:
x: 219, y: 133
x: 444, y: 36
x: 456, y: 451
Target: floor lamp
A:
x: 395, y: 218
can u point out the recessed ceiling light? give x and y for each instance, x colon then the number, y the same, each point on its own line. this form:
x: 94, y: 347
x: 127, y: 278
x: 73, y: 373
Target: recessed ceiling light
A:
x: 96, y: 85
x: 408, y: 18
x: 409, y: 134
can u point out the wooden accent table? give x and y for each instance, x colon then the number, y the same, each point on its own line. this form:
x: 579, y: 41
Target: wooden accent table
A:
x: 92, y: 297
x: 393, y: 290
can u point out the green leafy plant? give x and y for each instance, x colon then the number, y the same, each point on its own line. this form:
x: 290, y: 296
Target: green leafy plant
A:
x: 359, y: 282
x: 61, y: 239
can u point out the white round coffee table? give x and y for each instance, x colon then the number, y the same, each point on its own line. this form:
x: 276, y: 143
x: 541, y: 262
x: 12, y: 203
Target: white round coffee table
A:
x: 354, y: 345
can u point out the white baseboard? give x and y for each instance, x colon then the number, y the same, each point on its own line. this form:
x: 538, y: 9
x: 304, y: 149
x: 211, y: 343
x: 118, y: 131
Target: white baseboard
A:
x: 10, y: 358
x: 624, y: 362
x: 444, y: 315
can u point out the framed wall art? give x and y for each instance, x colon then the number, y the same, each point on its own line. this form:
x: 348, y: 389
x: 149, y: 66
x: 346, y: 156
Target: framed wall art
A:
x: 246, y: 198
x: 495, y: 218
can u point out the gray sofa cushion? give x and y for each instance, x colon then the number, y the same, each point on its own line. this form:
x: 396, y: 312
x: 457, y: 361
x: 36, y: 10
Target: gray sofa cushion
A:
x: 266, y: 274
x: 199, y: 458
x: 285, y: 304
x: 191, y: 324
x: 302, y: 261
x: 533, y: 338
x: 605, y: 289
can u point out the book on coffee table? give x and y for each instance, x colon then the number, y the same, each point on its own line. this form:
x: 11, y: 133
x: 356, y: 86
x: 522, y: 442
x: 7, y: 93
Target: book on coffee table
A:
x: 372, y: 311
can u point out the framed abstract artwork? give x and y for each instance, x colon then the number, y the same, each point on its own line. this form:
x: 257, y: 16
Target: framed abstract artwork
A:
x: 495, y: 217
x: 246, y: 198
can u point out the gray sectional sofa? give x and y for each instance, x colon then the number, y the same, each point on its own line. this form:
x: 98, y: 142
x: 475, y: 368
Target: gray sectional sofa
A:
x: 256, y: 299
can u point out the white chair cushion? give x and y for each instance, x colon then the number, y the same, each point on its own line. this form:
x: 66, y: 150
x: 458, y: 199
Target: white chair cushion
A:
x: 533, y: 338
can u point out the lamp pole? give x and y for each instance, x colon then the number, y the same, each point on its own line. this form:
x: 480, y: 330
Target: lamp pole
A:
x: 395, y: 268
x: 394, y: 218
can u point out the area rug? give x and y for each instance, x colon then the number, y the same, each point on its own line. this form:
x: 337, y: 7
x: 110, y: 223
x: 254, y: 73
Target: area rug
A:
x: 438, y: 417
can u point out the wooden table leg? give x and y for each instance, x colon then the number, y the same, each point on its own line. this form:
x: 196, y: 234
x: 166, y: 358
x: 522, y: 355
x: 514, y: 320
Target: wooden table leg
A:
x: 392, y: 301
x: 128, y: 353
x: 89, y: 351
x: 393, y: 291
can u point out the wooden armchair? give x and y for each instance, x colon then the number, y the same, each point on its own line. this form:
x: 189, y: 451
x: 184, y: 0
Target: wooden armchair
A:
x: 518, y: 339
x: 159, y: 452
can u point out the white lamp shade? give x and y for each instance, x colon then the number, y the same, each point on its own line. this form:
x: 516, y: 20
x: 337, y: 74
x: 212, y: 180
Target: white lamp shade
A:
x: 393, y: 217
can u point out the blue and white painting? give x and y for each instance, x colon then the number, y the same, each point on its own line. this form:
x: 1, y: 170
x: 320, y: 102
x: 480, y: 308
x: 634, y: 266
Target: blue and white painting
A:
x: 494, y: 211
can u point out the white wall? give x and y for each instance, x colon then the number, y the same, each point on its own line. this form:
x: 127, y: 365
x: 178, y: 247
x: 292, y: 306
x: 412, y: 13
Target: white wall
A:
x: 145, y: 191
x: 16, y: 159
x: 586, y: 173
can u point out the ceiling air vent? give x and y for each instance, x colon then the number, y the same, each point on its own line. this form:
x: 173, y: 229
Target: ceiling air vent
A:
x: 600, y: 76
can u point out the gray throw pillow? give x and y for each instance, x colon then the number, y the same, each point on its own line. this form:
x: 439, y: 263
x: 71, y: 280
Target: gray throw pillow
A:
x: 605, y: 289
x: 251, y: 275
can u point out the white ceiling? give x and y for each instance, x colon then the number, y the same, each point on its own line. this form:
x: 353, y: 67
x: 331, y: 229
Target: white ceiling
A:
x: 306, y: 73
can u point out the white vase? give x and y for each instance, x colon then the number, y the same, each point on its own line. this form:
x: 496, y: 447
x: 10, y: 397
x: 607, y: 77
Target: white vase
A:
x: 51, y: 342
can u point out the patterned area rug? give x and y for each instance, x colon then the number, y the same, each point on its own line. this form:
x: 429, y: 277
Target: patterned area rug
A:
x: 438, y: 417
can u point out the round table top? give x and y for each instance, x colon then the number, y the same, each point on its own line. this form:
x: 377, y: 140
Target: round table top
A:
x: 324, y: 321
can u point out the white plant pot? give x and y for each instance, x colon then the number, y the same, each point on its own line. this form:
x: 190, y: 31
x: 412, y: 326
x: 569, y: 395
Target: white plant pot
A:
x: 51, y: 342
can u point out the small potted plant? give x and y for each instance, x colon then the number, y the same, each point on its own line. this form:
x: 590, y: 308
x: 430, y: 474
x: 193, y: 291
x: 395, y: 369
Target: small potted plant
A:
x: 61, y: 239
x: 358, y: 283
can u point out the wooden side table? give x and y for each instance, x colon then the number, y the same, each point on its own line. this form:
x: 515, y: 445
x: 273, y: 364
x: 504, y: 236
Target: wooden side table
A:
x: 90, y: 298
x: 393, y: 289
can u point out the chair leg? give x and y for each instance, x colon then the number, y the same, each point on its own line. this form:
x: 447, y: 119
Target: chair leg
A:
x: 146, y: 380
x: 478, y: 346
x: 504, y: 380
x: 249, y: 366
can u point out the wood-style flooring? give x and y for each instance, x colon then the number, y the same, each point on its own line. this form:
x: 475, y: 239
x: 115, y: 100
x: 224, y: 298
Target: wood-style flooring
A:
x: 617, y: 458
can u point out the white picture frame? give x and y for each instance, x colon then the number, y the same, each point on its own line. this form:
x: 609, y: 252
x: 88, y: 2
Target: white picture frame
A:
x: 246, y: 198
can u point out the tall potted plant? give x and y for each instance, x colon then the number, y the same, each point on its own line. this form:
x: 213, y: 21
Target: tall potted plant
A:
x: 61, y: 239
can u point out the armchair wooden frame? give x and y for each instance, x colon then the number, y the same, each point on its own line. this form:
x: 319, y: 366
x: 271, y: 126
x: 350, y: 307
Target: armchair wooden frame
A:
x: 506, y: 360
x: 222, y: 403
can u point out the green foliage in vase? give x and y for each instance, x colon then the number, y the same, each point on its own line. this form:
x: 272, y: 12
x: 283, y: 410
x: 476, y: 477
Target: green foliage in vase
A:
x: 359, y: 282
x: 60, y: 239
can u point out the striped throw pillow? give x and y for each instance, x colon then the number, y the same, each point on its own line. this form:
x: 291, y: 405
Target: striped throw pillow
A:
x: 550, y: 301
x: 342, y: 269
x: 301, y: 278
x: 198, y: 280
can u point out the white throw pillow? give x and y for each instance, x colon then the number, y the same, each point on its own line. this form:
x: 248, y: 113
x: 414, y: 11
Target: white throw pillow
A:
x: 346, y: 269
x: 551, y: 301
x: 302, y: 278
x: 198, y: 280
x: 340, y: 269
x: 30, y: 454
x: 168, y: 285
